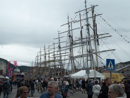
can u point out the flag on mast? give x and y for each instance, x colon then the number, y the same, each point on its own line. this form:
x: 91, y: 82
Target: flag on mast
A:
x: 15, y: 63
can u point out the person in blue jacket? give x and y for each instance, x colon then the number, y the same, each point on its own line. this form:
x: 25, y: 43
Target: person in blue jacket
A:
x: 52, y: 91
x: 89, y: 89
x: 64, y: 90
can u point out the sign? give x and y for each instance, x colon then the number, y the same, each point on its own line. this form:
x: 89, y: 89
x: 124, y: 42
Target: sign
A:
x: 110, y: 64
x: 115, y: 76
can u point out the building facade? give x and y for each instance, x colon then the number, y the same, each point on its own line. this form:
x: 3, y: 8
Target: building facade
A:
x: 3, y: 68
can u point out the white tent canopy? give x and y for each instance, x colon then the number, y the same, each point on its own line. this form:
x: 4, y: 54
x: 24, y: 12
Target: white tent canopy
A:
x: 22, y: 73
x: 7, y: 77
x: 82, y: 74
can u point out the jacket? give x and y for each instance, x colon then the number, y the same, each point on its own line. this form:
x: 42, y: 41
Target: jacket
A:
x: 127, y: 88
x: 96, y: 90
x: 89, y: 88
x: 103, y: 92
x: 64, y: 89
x: 8, y: 85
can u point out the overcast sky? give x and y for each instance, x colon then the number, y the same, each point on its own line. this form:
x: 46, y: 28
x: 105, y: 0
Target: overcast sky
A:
x: 28, y: 25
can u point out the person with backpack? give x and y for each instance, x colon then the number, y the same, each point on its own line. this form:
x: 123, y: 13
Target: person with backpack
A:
x: 6, y: 88
x: 104, y: 90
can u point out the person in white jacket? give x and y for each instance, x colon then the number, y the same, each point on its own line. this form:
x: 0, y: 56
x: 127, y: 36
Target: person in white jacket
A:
x: 96, y: 90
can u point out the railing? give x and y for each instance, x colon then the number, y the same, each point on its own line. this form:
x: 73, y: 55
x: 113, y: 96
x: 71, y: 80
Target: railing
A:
x: 119, y: 69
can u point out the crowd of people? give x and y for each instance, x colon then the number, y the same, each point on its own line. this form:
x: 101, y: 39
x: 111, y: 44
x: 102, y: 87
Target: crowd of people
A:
x: 60, y: 87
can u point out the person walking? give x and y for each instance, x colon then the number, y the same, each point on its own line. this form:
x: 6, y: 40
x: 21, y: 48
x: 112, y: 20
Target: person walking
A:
x: 80, y: 84
x: 71, y: 84
x: 67, y: 83
x: 59, y: 85
x: 11, y: 84
x: 22, y: 82
x: 74, y: 87
x: 28, y: 85
x: 23, y: 90
x: 6, y: 88
x: 38, y: 85
x: 83, y: 85
x: 77, y: 85
x: 64, y: 90
x: 115, y: 91
x: 89, y: 89
x: 18, y: 83
x: 96, y: 90
x: 127, y: 89
x: 104, y: 89
x: 32, y: 87
x: 52, y: 88
x: 44, y: 84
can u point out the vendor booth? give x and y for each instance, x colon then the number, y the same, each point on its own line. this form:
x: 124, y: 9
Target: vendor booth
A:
x: 82, y: 74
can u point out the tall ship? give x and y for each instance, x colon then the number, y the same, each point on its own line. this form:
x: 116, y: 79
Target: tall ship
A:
x: 77, y: 47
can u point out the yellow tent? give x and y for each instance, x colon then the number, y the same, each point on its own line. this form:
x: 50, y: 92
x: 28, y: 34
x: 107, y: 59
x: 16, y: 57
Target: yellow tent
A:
x: 115, y: 76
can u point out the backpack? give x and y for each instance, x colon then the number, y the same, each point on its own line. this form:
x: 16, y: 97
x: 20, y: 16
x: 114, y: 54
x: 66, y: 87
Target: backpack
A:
x: 22, y: 83
x: 5, y: 86
x: 43, y: 84
x: 103, y: 92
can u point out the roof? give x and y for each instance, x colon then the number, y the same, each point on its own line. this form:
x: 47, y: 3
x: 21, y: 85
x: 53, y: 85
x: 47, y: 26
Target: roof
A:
x: 17, y: 69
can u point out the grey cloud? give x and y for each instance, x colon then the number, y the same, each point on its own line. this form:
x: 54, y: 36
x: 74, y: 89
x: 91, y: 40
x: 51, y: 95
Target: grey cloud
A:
x: 36, y: 22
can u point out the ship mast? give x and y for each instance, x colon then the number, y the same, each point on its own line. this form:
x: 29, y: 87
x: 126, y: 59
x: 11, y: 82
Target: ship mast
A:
x: 91, y: 52
x: 81, y: 37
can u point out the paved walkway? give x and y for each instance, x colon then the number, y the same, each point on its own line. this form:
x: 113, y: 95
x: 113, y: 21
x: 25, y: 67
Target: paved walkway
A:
x: 37, y: 94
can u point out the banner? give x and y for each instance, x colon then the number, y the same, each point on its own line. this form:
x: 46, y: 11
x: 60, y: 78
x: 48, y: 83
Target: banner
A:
x: 15, y: 63
x: 115, y: 76
x: 8, y: 64
x: 10, y: 71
